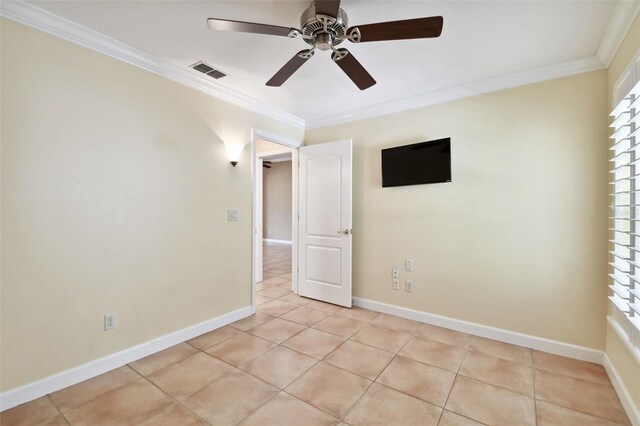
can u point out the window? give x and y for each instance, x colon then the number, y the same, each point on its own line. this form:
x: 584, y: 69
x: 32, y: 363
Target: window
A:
x: 624, y: 212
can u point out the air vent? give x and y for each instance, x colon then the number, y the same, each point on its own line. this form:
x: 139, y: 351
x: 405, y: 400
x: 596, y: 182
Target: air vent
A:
x: 216, y: 74
x: 208, y: 70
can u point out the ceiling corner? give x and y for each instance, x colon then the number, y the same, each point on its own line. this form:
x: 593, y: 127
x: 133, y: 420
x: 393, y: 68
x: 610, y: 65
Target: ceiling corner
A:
x: 617, y: 28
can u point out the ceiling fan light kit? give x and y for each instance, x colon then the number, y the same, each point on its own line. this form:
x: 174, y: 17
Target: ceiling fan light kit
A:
x: 324, y: 25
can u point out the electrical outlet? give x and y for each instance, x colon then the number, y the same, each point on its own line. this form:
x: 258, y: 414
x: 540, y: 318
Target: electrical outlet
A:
x: 408, y: 265
x: 395, y: 272
x: 110, y: 321
x: 396, y: 284
x: 408, y: 286
x: 232, y: 215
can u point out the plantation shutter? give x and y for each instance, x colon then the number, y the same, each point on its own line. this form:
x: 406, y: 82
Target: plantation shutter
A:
x: 624, y: 172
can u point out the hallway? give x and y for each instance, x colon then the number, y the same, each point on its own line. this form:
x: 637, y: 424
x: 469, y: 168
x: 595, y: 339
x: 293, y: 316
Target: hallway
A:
x: 276, y: 273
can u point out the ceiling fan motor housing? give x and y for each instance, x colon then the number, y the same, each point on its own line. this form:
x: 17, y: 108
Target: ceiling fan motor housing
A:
x: 326, y: 31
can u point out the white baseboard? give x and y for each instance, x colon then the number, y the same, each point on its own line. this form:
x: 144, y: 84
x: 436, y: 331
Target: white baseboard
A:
x: 520, y: 339
x: 269, y: 240
x: 623, y: 393
x: 91, y: 369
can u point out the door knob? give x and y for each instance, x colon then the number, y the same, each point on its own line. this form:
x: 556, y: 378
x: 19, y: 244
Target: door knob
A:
x: 345, y: 232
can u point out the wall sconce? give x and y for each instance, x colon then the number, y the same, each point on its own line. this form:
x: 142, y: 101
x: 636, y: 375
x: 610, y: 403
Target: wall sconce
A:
x: 233, y: 151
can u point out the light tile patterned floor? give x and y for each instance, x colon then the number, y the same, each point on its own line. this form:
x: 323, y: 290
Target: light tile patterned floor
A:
x: 303, y: 362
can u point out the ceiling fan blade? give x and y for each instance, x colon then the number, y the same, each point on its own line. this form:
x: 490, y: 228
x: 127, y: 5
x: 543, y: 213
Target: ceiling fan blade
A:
x: 290, y: 67
x: 397, y: 30
x: 327, y: 7
x: 248, y: 27
x: 353, y: 69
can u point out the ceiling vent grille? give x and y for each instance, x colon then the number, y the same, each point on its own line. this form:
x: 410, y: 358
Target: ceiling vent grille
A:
x: 208, y: 70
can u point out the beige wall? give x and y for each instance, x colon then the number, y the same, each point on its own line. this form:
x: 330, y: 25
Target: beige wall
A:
x: 276, y: 201
x: 266, y: 146
x: 517, y: 240
x: 618, y: 352
x: 115, y: 190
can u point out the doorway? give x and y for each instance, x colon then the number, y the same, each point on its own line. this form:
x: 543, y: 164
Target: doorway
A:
x: 321, y: 234
x: 275, y: 207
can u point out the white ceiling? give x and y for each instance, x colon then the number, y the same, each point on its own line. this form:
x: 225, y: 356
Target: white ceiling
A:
x: 480, y: 40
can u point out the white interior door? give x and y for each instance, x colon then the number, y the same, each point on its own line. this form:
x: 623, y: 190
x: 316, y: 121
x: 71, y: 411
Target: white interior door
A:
x: 324, y: 247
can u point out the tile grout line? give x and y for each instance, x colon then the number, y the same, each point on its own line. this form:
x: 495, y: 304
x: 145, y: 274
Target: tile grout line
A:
x: 58, y: 408
x: 308, y: 403
x: 271, y: 384
x: 216, y: 358
x: 279, y: 389
x: 193, y: 412
x: 259, y: 406
x: 581, y: 412
x: 374, y: 381
x: 101, y: 395
x: 455, y: 379
x: 226, y: 374
x: 317, y: 361
x: 168, y: 365
x: 175, y: 399
x: 311, y: 405
x: 609, y: 385
x: 493, y: 384
x: 140, y: 376
x: 535, y: 397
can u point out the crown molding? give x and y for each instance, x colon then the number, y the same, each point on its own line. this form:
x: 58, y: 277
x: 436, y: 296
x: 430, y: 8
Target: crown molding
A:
x: 623, y: 15
x: 506, y: 81
x: 58, y: 26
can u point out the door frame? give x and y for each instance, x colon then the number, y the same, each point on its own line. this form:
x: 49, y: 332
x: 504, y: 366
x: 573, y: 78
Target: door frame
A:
x: 255, y: 239
x: 258, y: 254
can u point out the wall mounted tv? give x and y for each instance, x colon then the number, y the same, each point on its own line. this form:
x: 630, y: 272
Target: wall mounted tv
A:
x: 417, y: 164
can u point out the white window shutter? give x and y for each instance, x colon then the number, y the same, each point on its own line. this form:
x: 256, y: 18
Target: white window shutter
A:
x: 625, y: 208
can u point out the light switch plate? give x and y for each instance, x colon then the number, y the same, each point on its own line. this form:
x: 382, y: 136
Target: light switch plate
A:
x: 232, y: 215
x: 408, y: 265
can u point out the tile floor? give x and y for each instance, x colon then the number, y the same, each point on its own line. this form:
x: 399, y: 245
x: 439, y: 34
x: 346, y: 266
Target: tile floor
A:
x: 303, y: 362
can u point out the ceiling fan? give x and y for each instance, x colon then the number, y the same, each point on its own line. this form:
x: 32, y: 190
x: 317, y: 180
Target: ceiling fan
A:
x: 324, y: 25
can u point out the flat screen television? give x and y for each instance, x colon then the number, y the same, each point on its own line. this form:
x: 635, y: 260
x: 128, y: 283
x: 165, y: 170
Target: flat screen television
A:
x: 417, y: 164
